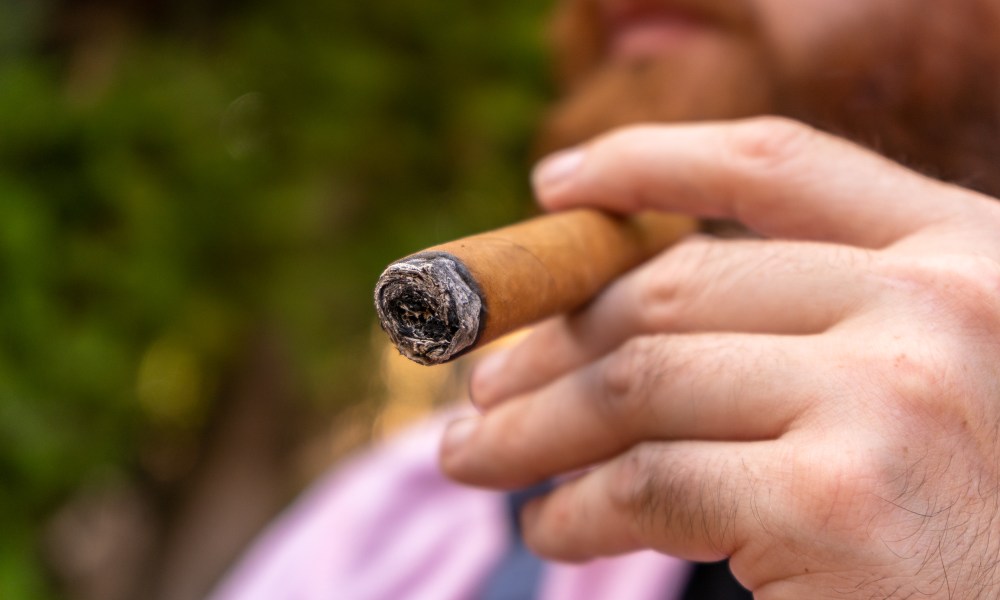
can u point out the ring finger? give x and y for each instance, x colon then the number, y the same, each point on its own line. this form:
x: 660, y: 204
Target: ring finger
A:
x: 703, y: 284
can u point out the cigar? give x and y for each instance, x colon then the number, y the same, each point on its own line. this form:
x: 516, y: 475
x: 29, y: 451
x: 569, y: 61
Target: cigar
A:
x: 449, y: 299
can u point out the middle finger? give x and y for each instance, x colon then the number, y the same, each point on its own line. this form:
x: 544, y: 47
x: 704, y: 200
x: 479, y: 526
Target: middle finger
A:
x: 701, y: 285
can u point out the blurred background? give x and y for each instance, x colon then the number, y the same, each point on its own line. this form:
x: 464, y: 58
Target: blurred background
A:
x: 196, y: 197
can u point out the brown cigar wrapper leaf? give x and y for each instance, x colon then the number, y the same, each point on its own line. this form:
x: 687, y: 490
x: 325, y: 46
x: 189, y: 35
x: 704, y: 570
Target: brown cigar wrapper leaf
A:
x: 449, y: 299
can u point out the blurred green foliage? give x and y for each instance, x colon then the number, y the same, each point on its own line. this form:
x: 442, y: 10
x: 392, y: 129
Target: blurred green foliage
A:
x: 243, y: 168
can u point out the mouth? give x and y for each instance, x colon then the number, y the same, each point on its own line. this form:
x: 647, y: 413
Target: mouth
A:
x: 642, y: 29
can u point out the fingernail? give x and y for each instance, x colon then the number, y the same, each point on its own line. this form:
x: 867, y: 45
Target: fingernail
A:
x: 484, y: 374
x: 458, y: 432
x: 557, y: 168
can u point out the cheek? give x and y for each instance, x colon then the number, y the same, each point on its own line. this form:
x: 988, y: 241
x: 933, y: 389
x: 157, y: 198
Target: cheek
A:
x: 802, y: 33
x: 575, y: 39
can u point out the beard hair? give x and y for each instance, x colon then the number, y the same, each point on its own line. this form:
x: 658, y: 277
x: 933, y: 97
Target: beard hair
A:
x: 617, y: 95
x: 896, y: 94
x: 928, y: 97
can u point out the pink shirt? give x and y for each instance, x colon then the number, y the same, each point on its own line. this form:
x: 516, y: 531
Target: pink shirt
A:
x: 388, y: 525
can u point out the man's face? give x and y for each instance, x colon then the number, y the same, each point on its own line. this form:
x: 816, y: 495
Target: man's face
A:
x: 887, y: 72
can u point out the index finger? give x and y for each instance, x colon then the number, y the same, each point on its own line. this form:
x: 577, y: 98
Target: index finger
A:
x: 776, y: 176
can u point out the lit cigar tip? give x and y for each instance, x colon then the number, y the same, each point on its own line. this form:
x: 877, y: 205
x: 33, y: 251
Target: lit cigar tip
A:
x: 430, y: 307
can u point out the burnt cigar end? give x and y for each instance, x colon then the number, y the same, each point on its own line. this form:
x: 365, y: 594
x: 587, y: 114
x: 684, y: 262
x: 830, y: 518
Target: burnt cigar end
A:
x: 430, y: 306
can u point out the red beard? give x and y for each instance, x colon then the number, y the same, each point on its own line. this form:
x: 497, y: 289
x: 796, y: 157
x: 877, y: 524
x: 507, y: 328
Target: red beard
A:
x: 925, y: 92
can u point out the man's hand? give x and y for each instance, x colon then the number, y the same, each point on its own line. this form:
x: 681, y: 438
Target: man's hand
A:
x: 822, y: 405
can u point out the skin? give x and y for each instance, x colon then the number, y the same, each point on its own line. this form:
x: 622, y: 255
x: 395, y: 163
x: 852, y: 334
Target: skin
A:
x: 905, y: 77
x: 821, y: 404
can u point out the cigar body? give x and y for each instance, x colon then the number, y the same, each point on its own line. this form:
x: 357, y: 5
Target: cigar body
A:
x: 444, y: 301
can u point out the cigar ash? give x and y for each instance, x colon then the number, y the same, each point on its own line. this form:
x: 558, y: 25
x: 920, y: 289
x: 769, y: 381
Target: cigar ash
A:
x: 430, y: 306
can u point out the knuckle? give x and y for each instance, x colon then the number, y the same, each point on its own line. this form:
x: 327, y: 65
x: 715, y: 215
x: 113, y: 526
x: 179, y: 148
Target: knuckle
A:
x: 624, y: 379
x: 675, y: 283
x: 643, y: 491
x: 677, y: 500
x: 919, y: 380
x: 906, y: 378
x: 765, y: 143
x: 664, y: 286
x: 926, y: 369
x: 838, y: 489
x: 962, y: 288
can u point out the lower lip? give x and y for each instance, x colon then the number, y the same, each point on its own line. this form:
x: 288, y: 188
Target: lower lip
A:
x: 650, y: 37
